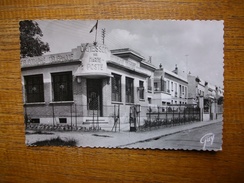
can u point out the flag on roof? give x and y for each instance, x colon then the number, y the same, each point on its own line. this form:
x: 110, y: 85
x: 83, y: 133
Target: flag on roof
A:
x: 94, y: 27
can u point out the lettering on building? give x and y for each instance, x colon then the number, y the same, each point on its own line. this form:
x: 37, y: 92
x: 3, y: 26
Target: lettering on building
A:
x: 95, y: 63
x: 92, y: 48
x: 43, y: 60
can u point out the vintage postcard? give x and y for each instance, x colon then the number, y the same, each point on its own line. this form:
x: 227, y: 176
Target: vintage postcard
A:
x: 147, y: 84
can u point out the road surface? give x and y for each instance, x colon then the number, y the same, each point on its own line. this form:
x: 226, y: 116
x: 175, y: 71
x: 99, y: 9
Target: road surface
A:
x: 207, y: 137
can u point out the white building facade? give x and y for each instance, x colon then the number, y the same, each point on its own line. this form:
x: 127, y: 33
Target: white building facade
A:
x: 88, y: 86
x: 169, y: 88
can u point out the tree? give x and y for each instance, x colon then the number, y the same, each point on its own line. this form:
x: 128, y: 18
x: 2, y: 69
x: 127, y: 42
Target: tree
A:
x: 30, y: 39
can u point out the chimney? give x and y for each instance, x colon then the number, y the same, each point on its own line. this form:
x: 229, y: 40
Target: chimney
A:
x: 150, y: 59
x: 176, y: 69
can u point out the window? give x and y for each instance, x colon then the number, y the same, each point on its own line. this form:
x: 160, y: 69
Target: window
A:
x: 206, y: 104
x: 62, y: 86
x: 162, y: 82
x: 149, y: 84
x: 62, y: 120
x: 183, y: 92
x: 156, y: 87
x: 149, y: 100
x: 164, y: 86
x: 35, y: 120
x: 34, y: 88
x: 129, y: 90
x: 141, y: 90
x: 116, y: 88
x: 172, y: 86
x: 168, y: 87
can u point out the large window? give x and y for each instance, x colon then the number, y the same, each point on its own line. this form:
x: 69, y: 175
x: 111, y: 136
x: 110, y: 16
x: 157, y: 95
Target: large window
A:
x: 141, y: 89
x: 156, y: 86
x: 168, y: 87
x: 116, y: 88
x: 129, y: 90
x: 149, y: 84
x: 34, y: 88
x: 162, y: 84
x: 62, y: 86
x: 180, y: 90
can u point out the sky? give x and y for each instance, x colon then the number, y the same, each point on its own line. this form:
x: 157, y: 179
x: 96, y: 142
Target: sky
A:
x: 195, y: 46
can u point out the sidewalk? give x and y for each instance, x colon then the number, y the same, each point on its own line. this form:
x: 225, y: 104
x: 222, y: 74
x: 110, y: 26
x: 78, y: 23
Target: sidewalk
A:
x: 118, y: 139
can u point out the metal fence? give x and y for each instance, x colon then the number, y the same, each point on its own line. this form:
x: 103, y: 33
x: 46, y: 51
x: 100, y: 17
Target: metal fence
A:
x: 72, y: 117
x: 63, y: 116
x: 167, y: 116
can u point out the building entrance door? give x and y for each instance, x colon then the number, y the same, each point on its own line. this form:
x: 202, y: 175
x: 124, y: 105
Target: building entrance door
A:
x: 94, y: 97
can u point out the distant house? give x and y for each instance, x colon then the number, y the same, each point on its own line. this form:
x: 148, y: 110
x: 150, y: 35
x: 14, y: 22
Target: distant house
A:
x: 200, y: 90
x: 170, y: 88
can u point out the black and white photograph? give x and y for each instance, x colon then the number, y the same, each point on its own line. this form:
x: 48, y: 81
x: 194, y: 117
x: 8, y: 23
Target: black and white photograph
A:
x: 146, y: 84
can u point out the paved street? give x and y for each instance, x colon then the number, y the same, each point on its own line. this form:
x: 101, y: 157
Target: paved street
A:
x: 187, y: 139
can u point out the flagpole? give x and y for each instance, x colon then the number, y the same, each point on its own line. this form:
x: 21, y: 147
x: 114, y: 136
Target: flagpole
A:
x: 96, y: 33
x: 96, y: 36
x: 95, y: 27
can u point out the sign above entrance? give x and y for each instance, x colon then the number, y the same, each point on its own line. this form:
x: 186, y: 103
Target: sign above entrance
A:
x: 93, y: 60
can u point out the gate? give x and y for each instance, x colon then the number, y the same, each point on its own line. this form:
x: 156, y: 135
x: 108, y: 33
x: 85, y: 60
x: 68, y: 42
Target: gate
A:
x: 134, y: 117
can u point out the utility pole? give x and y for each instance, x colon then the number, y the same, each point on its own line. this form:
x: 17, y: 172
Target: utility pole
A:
x: 186, y: 63
x: 103, y: 35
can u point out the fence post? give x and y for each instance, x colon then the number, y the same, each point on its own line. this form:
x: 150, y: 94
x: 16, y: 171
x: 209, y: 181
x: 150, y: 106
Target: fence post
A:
x: 193, y: 114
x: 149, y: 114
x: 93, y: 117
x: 139, y: 121
x: 119, y: 116
x: 150, y: 120
x: 71, y: 116
x: 76, y: 117
x: 184, y: 115
x: 199, y: 111
x: 115, y: 125
x: 158, y: 113
x: 166, y: 115
x: 179, y: 116
x: 53, y: 114
x: 98, y: 111
x: 189, y: 114
x: 26, y: 116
